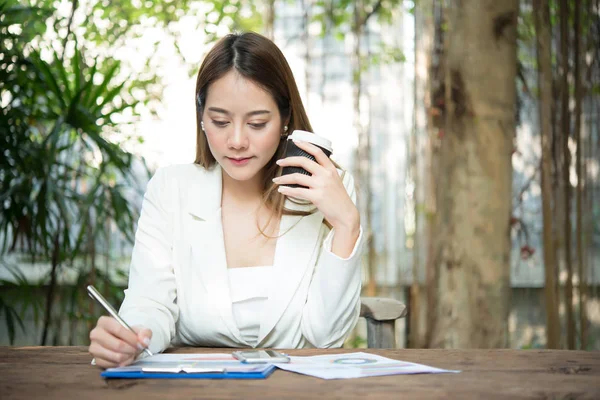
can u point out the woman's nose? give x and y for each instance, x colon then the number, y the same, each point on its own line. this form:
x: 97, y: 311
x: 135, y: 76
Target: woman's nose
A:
x: 238, y: 138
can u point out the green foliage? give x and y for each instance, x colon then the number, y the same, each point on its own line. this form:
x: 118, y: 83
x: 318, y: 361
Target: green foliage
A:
x: 526, y: 26
x: 342, y: 17
x: 235, y: 15
x: 387, y: 55
x: 334, y: 17
x: 113, y: 23
x: 339, y: 17
x: 23, y: 297
x: 54, y: 122
x: 11, y: 318
x: 64, y: 174
x: 412, y: 8
x: 356, y: 342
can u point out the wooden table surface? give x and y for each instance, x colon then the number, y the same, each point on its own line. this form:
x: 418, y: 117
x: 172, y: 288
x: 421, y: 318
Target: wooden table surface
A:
x: 65, y: 372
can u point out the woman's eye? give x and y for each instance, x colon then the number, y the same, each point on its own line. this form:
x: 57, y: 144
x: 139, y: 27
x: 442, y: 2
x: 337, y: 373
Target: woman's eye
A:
x: 220, y: 123
x: 258, y: 126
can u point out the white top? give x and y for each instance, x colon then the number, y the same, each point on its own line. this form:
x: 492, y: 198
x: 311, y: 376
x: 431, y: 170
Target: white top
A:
x: 248, y: 287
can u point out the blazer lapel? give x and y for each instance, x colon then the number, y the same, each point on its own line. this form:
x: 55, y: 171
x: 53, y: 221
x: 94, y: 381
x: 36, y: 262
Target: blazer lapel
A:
x: 295, y: 252
x: 207, y: 245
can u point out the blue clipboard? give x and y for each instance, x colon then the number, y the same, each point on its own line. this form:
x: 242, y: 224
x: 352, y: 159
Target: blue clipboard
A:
x: 257, y: 374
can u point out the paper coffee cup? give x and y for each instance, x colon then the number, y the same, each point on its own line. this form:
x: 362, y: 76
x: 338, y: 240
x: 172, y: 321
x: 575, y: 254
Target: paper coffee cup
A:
x: 294, y: 151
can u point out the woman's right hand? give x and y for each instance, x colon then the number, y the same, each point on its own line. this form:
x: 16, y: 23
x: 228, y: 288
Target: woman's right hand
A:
x: 113, y: 345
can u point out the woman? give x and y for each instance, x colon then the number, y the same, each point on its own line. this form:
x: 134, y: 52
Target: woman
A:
x: 226, y: 252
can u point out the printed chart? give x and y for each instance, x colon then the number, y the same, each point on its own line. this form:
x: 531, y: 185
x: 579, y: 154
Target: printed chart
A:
x: 355, y: 365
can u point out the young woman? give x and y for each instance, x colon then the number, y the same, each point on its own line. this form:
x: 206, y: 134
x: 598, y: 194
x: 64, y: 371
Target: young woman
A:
x: 226, y: 253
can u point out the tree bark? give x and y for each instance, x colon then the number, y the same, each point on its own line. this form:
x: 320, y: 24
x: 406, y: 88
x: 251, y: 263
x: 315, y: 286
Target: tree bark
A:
x: 474, y: 197
x: 424, y: 31
x: 566, y: 167
x: 541, y: 11
x: 269, y: 27
x: 580, y: 178
x: 435, y: 120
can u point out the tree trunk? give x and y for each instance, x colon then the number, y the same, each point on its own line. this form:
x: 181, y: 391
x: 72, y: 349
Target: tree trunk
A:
x: 92, y: 254
x: 556, y: 180
x: 580, y: 178
x: 269, y: 26
x: 541, y: 11
x: 51, y: 289
x: 364, y: 146
x: 566, y: 167
x: 436, y: 123
x: 424, y: 31
x: 592, y: 149
x: 472, y: 251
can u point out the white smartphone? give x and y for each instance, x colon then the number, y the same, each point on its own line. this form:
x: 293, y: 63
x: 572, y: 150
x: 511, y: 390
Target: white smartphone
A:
x: 261, y: 356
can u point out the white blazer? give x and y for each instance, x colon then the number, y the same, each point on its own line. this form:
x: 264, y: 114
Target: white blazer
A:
x: 178, y: 282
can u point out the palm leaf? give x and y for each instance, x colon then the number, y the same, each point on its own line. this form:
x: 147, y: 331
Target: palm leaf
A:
x: 77, y: 63
x: 49, y: 78
x: 88, y: 99
x: 65, y: 79
x: 109, y: 97
x: 10, y: 317
x: 100, y: 89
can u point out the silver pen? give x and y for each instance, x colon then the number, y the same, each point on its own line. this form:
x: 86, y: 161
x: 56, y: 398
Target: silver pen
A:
x: 113, y: 313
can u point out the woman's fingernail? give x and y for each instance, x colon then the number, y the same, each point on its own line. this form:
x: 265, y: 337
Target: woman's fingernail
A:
x: 140, y: 347
x: 281, y: 189
x: 146, y: 341
x: 278, y: 162
x: 275, y: 180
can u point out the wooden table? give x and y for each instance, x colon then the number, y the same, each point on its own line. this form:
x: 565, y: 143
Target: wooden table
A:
x: 65, y: 372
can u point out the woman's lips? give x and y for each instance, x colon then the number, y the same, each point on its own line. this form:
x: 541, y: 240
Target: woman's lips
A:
x: 239, y: 161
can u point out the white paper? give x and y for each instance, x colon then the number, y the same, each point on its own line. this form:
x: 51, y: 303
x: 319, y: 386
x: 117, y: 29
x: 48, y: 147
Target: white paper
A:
x: 355, y: 365
x: 190, y: 362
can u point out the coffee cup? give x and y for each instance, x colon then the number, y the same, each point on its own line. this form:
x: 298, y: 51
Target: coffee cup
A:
x: 294, y: 151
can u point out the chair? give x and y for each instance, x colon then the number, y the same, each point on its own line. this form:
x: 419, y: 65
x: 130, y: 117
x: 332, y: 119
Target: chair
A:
x: 381, y: 315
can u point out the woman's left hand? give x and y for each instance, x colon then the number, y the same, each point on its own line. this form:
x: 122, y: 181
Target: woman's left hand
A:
x: 324, y: 188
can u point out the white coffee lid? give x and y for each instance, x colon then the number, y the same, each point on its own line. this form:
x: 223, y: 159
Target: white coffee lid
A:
x: 310, y: 137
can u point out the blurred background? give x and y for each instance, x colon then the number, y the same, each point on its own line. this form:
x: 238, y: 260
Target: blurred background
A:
x: 472, y: 128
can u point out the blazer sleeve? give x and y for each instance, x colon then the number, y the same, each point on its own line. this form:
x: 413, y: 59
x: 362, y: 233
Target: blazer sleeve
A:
x: 150, y: 299
x: 333, y: 304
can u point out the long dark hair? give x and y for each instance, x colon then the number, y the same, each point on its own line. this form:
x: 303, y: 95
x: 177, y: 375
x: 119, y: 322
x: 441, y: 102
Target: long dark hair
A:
x: 258, y: 59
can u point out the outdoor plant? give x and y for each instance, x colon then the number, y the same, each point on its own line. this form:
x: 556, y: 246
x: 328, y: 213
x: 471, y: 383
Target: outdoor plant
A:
x: 67, y: 181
